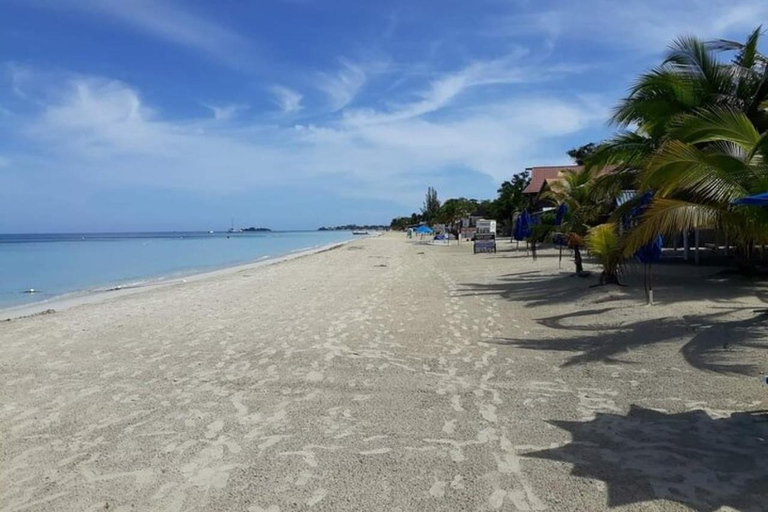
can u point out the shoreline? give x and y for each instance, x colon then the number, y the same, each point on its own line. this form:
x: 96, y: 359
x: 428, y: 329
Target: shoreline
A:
x: 97, y: 295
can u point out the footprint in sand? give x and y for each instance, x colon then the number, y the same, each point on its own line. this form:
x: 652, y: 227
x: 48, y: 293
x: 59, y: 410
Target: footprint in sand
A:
x: 314, y: 376
x: 497, y: 499
x: 437, y: 490
x: 214, y: 428
x: 488, y: 412
x: 317, y: 496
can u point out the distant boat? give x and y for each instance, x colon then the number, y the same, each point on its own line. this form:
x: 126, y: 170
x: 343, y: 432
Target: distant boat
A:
x: 232, y: 228
x: 210, y: 231
x: 359, y: 232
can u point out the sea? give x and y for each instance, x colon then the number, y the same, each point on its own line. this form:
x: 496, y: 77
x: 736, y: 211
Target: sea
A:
x: 55, y: 265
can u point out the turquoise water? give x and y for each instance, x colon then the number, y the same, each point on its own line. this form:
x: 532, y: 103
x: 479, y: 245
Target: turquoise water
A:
x: 59, y: 264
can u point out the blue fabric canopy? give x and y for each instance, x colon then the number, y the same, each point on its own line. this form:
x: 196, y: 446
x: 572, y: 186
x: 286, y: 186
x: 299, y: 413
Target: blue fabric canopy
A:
x: 756, y: 200
x: 523, y: 226
x: 560, y: 216
x: 424, y: 230
x: 650, y: 252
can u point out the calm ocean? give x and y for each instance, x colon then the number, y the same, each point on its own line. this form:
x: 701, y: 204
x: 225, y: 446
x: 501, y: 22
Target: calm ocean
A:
x: 59, y: 264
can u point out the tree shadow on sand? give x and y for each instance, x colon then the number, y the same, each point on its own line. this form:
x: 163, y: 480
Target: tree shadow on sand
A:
x: 673, y: 283
x: 690, y: 458
x: 707, y: 342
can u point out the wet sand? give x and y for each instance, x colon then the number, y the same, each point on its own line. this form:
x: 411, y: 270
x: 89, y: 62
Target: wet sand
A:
x: 390, y: 375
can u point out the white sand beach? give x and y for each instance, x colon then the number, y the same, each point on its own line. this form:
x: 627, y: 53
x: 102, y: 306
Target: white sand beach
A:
x: 391, y: 375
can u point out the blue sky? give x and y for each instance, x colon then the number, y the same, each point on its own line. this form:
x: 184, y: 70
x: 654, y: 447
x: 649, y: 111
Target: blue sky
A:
x: 169, y: 115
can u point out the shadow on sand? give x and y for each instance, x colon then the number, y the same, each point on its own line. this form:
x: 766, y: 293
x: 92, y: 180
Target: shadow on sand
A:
x: 707, y: 343
x: 712, y: 342
x: 701, y: 462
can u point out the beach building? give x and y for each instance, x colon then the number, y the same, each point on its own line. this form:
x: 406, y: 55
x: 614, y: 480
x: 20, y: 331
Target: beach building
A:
x: 542, y: 177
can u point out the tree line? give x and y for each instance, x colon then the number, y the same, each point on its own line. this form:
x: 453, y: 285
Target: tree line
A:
x: 509, y: 200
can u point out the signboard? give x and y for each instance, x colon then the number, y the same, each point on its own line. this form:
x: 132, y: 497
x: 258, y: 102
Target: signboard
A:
x: 484, y: 245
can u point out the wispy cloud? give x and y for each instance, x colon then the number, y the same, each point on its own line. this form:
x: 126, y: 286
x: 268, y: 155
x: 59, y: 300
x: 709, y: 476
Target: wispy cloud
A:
x: 169, y: 21
x: 102, y: 128
x: 225, y: 112
x: 342, y: 86
x: 443, y: 91
x: 287, y: 99
x: 644, y: 26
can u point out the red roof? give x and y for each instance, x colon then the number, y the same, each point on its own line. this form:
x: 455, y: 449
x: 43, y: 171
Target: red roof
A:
x: 548, y: 175
x: 539, y: 175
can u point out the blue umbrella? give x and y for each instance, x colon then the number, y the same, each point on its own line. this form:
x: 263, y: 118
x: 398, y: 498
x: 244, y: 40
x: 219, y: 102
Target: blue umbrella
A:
x: 526, y: 222
x: 651, y: 251
x: 756, y: 200
x: 646, y: 255
x: 522, y: 229
x: 424, y: 230
x: 560, y: 216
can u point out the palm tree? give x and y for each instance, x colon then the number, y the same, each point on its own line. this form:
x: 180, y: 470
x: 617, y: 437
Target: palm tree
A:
x: 604, y: 243
x: 712, y: 157
x: 696, y: 122
x: 586, y: 203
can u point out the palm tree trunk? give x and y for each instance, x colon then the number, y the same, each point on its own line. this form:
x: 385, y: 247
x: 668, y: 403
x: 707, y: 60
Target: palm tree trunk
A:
x: 577, y: 260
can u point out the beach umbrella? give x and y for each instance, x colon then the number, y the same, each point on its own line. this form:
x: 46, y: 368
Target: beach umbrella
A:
x: 651, y: 251
x: 756, y: 200
x: 560, y: 215
x: 646, y: 255
x: 517, y: 230
x: 522, y: 228
x: 424, y: 230
x: 526, y: 224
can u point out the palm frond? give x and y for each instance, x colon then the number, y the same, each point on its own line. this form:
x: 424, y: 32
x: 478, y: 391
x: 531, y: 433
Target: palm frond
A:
x: 667, y: 217
x: 680, y: 167
x: 712, y: 124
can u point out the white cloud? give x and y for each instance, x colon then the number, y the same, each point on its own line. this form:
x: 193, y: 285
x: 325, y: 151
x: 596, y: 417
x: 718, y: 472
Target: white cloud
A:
x: 166, y: 20
x: 443, y: 91
x: 225, y: 112
x: 646, y: 26
x: 287, y: 99
x: 101, y: 130
x: 342, y: 86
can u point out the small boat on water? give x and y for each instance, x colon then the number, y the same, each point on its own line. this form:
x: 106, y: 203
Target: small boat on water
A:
x: 359, y: 232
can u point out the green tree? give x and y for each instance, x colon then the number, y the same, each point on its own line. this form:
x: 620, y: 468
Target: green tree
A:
x: 510, y: 198
x: 582, y: 153
x: 431, y: 208
x: 711, y: 158
x: 604, y: 243
x: 454, y: 210
x: 694, y: 122
x: 586, y: 202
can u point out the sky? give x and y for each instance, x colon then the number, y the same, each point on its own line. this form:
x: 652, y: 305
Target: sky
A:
x: 152, y: 115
